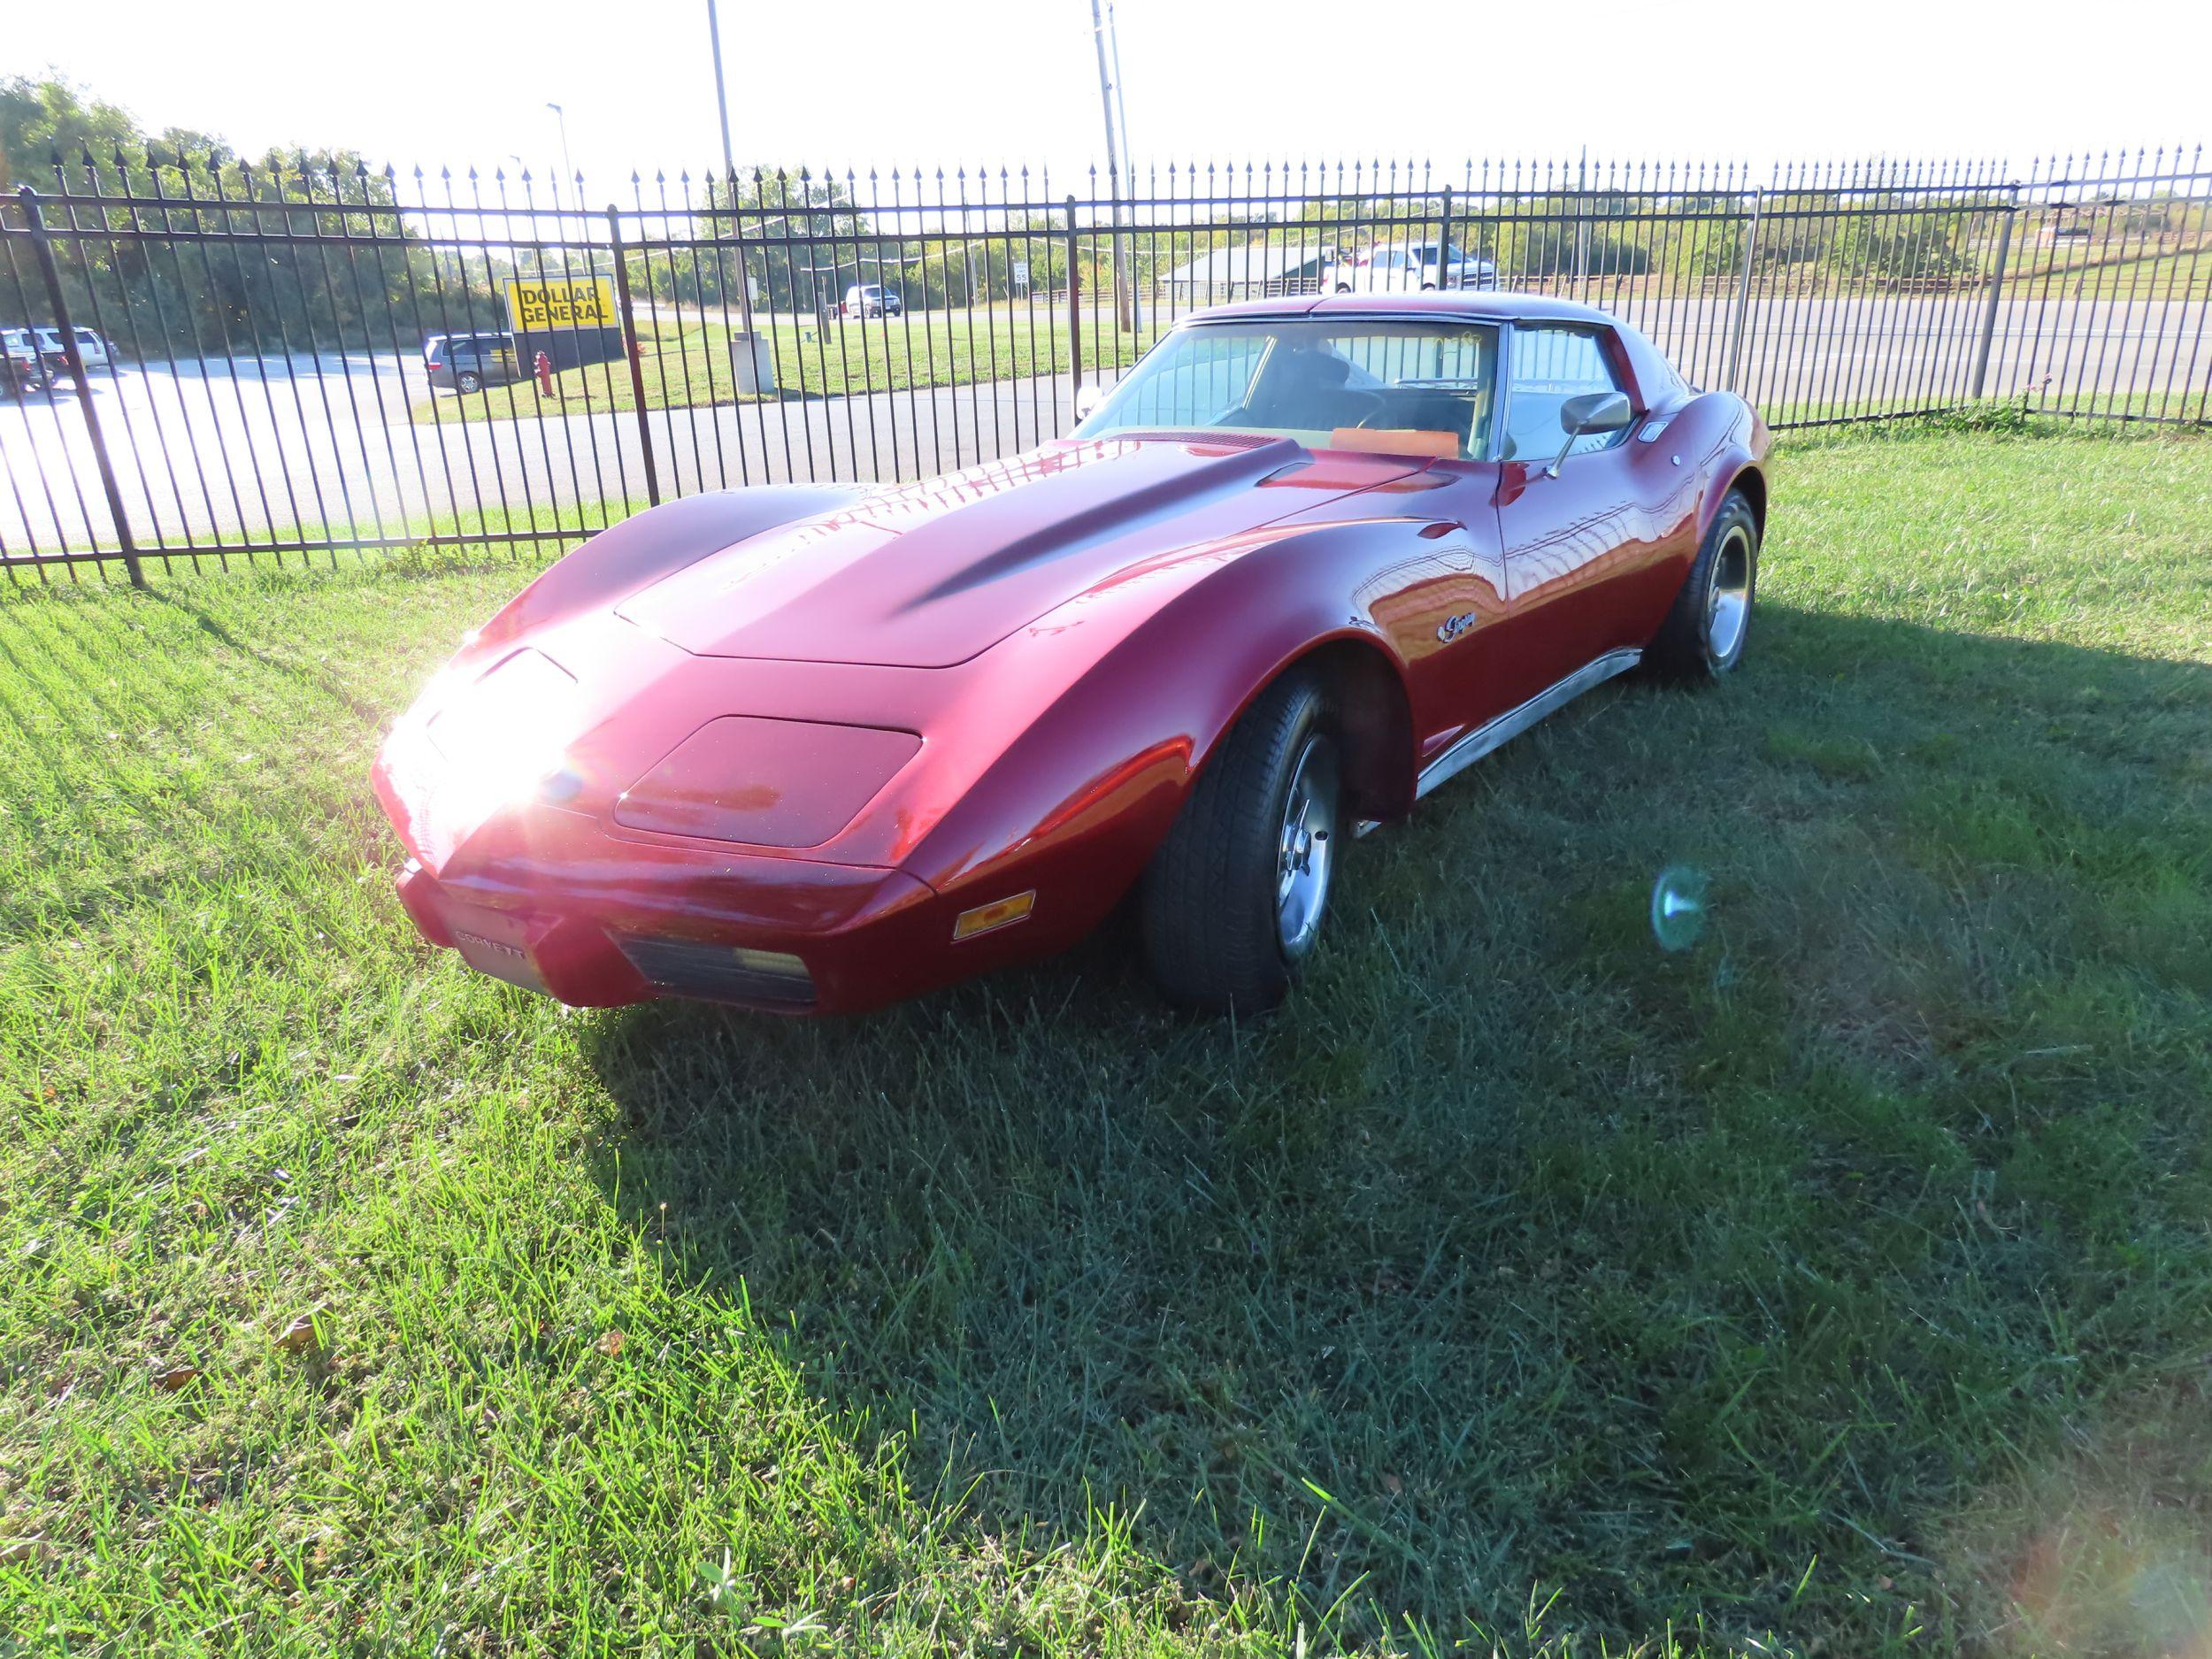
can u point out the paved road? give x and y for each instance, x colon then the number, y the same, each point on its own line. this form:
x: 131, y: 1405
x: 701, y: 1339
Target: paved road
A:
x: 287, y: 441
x: 247, y: 448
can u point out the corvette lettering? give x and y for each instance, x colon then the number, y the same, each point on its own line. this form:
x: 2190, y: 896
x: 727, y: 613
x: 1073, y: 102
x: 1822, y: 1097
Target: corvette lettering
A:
x: 492, y: 945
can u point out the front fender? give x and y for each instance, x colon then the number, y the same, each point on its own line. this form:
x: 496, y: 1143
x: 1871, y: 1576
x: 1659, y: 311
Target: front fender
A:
x: 1082, y: 794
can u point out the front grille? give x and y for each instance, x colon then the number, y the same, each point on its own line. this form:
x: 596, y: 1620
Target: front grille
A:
x: 720, y: 974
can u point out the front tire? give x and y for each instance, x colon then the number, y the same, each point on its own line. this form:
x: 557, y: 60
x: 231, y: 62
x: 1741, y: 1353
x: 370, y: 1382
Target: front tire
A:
x: 1703, y: 636
x: 1233, y: 902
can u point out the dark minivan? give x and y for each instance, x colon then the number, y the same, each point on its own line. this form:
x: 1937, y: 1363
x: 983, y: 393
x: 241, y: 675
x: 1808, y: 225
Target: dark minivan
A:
x: 469, y: 363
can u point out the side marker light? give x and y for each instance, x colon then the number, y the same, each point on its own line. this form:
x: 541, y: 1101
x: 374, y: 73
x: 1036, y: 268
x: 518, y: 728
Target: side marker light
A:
x: 998, y: 913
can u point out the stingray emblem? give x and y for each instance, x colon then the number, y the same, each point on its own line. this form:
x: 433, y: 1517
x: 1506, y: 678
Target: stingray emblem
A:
x: 1452, y: 627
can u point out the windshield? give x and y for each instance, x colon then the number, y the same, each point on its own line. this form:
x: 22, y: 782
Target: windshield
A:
x: 1342, y: 383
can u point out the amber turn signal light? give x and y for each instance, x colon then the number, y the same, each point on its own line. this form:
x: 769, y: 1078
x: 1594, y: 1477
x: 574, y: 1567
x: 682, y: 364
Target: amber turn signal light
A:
x: 998, y: 913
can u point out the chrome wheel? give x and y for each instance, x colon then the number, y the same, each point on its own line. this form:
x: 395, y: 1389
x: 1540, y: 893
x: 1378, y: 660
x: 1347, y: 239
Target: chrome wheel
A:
x: 1728, y: 599
x: 1306, y: 853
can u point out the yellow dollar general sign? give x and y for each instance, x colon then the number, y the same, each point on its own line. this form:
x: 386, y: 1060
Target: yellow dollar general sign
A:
x: 580, y: 303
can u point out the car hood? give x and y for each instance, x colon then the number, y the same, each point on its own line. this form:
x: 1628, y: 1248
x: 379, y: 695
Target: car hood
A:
x: 927, y: 575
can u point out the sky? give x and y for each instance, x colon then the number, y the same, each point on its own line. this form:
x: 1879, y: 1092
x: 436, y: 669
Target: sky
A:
x: 868, y: 82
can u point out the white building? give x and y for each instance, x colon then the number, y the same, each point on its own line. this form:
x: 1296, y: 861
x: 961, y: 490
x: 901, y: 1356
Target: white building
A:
x: 1252, y: 270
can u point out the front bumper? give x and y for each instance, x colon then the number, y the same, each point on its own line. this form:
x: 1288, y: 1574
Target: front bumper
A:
x: 802, y: 938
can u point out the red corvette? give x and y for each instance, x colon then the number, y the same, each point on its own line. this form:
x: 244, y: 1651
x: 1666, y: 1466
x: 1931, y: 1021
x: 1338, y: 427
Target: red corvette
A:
x: 815, y: 748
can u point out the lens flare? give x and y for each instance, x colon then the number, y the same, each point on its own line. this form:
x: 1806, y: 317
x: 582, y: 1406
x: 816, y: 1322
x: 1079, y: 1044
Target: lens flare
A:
x: 503, y: 736
x: 1678, y: 907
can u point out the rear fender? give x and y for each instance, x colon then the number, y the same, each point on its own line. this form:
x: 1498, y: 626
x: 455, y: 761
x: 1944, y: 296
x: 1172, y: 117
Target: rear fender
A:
x: 1723, y: 438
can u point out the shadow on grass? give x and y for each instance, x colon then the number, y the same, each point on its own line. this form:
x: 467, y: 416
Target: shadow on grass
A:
x: 1514, y: 1255
x: 311, y: 675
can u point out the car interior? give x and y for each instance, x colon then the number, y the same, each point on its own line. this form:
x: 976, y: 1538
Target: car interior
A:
x: 1381, y: 385
x: 1310, y: 388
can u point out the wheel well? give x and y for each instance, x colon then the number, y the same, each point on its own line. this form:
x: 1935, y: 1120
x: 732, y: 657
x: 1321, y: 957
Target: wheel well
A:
x: 1369, y: 701
x: 1753, y: 483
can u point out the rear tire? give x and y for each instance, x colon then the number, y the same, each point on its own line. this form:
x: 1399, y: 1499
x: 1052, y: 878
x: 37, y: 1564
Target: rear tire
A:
x: 1233, y: 902
x: 1703, y: 636
x: 468, y: 380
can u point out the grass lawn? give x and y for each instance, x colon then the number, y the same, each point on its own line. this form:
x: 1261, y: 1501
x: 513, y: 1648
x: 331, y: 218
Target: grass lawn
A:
x: 1842, y: 1286
x: 2109, y: 269
x: 686, y: 363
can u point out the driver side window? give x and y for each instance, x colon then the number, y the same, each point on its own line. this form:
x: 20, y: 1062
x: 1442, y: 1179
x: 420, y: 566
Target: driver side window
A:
x: 1550, y: 365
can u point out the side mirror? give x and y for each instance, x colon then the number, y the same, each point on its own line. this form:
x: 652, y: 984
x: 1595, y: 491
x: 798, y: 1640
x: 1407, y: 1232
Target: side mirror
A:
x: 1088, y: 398
x: 1592, y: 411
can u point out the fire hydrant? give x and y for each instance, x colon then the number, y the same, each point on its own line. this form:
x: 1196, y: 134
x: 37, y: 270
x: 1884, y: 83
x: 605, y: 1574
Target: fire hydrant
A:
x: 544, y: 368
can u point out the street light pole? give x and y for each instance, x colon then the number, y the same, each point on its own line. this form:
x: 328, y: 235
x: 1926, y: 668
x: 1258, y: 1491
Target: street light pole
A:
x: 721, y: 92
x: 561, y: 115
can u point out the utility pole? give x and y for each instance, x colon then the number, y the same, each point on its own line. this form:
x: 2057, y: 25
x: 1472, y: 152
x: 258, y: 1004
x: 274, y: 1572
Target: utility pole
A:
x: 729, y: 174
x: 1108, y: 99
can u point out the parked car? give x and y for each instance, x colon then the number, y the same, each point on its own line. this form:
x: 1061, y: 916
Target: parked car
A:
x: 92, y: 349
x: 469, y: 363
x: 815, y: 747
x: 870, y: 299
x: 1398, y: 270
x: 26, y: 368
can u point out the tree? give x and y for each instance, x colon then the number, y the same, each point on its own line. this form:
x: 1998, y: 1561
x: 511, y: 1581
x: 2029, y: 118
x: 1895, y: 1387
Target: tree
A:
x: 39, y: 118
x: 213, y: 254
x: 1918, y: 242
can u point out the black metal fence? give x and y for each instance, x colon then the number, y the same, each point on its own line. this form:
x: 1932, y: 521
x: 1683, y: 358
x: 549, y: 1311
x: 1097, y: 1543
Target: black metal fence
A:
x: 211, y: 361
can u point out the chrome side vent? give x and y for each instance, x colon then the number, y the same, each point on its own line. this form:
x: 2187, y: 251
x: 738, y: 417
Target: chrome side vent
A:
x: 722, y: 973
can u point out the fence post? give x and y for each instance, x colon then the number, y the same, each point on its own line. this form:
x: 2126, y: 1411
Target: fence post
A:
x: 1444, y: 245
x: 1075, y: 320
x: 1996, y: 292
x: 51, y: 272
x: 632, y: 350
x: 1743, y: 285
x: 1582, y: 226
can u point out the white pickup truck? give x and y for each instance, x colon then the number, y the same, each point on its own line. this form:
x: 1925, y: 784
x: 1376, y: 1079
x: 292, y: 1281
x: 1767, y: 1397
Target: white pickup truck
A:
x: 1405, y: 268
